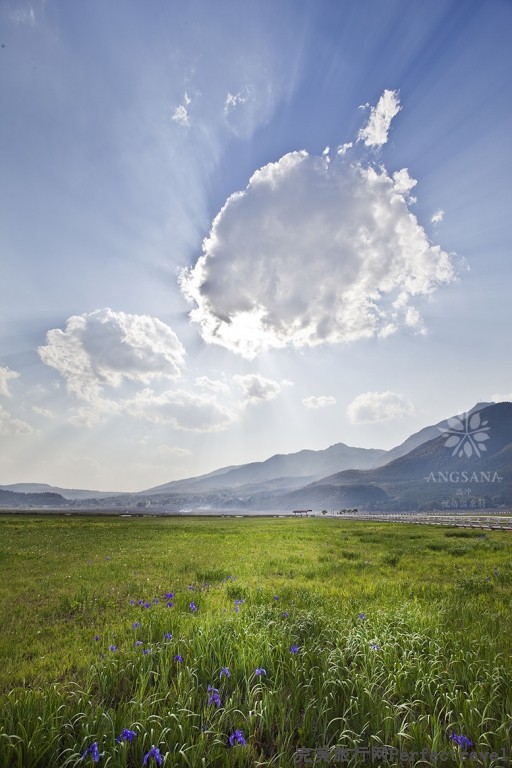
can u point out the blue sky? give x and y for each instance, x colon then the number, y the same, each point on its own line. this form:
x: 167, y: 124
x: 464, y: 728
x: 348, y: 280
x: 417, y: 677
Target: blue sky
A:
x: 234, y: 229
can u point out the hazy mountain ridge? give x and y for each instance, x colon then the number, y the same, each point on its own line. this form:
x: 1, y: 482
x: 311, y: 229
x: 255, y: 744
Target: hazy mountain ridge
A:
x: 308, y: 465
x: 422, y: 471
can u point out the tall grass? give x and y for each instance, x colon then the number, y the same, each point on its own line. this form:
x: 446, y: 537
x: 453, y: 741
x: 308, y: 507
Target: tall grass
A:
x: 316, y: 634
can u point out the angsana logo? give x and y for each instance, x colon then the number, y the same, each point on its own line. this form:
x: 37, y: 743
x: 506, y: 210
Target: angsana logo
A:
x: 466, y: 435
x: 464, y: 477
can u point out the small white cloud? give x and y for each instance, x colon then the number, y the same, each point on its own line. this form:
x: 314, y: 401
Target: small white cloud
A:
x: 375, y: 132
x: 257, y: 388
x: 344, y: 148
x: 437, y: 217
x: 182, y: 410
x: 6, y: 375
x: 104, y: 348
x: 250, y: 105
x: 321, y: 401
x: 371, y: 407
x: 173, y: 450
x: 10, y: 426
x: 234, y: 99
x: 43, y: 412
x: 180, y: 114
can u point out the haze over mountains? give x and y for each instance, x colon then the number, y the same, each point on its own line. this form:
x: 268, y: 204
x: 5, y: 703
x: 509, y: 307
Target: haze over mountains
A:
x: 464, y: 461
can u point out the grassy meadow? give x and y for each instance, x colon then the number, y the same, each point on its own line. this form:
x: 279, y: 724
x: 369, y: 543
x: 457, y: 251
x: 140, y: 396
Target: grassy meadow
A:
x: 252, y: 642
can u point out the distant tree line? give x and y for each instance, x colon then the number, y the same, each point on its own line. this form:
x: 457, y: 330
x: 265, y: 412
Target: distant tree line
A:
x: 10, y: 499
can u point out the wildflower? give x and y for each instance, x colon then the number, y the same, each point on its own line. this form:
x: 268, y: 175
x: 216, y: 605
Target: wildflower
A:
x: 193, y: 607
x: 237, y: 608
x: 362, y: 616
x: 93, y: 749
x: 460, y: 740
x: 136, y: 625
x: 214, y: 697
x: 276, y: 597
x: 170, y: 604
x: 169, y: 595
x: 294, y: 649
x: 132, y: 602
x: 96, y: 637
x: 374, y: 647
x: 260, y: 671
x: 167, y: 635
x: 137, y: 643
x: 191, y: 587
x: 147, y: 605
x: 237, y: 738
x: 126, y: 735
x: 178, y: 657
x: 145, y: 651
x: 113, y: 647
x: 153, y: 752
x: 225, y: 671
x: 155, y: 601
x: 285, y: 614
x: 140, y: 602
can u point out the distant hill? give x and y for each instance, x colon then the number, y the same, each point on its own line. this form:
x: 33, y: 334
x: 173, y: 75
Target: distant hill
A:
x: 67, y: 493
x: 424, y: 435
x: 425, y: 471
x: 434, y: 472
x: 10, y: 499
x: 290, y: 469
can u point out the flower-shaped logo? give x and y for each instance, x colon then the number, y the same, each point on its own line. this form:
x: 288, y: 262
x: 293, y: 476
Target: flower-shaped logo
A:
x: 466, y: 435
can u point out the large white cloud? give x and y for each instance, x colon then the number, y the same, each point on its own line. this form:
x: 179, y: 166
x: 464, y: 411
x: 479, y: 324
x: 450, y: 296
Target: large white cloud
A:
x: 314, y: 250
x: 371, y: 407
x: 5, y: 376
x: 104, y: 348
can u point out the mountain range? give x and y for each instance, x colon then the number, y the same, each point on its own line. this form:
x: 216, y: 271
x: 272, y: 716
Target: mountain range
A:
x: 463, y: 461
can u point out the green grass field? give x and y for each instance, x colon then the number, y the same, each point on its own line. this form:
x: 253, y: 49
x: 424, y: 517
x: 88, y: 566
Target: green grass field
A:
x: 315, y: 636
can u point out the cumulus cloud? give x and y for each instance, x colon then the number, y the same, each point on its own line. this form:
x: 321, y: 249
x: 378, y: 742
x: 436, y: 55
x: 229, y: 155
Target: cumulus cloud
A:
x: 180, y: 114
x: 318, y: 402
x: 97, y: 353
x: 371, y: 407
x: 375, y: 132
x: 314, y: 250
x: 257, y: 388
x: 10, y: 426
x: 5, y: 376
x: 182, y: 410
x: 437, y: 217
x: 105, y: 348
